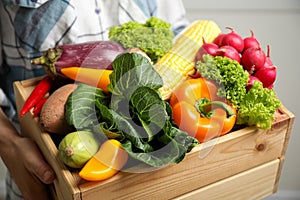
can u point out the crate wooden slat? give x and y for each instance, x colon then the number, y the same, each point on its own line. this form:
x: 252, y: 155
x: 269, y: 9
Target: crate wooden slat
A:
x: 257, y: 183
x: 209, y: 163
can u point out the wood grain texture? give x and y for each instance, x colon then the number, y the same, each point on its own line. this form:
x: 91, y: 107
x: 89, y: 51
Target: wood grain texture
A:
x: 208, y: 163
x: 255, y: 183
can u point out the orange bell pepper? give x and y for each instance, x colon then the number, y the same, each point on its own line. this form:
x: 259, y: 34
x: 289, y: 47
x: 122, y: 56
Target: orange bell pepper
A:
x: 107, y: 162
x: 94, y: 77
x: 198, y: 110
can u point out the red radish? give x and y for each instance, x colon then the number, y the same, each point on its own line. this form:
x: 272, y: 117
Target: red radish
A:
x: 268, y: 61
x: 271, y: 87
x: 251, y: 41
x: 206, y: 48
x: 218, y: 39
x: 253, y: 59
x: 229, y: 52
x: 233, y: 39
x: 267, y: 75
x: 251, y: 82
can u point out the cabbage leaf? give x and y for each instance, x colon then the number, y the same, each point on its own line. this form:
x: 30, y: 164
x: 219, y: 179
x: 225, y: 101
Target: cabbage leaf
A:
x: 132, y: 112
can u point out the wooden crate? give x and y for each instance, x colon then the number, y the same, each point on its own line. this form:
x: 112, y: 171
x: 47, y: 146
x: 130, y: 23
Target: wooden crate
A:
x: 244, y: 164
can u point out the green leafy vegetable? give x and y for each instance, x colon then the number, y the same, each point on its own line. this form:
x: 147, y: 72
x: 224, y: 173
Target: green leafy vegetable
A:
x: 132, y: 70
x: 80, y: 106
x: 258, y: 106
x: 155, y: 37
x: 229, y: 74
x: 135, y: 113
x: 255, y: 107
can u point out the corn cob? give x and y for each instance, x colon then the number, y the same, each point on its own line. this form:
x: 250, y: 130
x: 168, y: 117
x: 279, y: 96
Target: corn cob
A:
x: 178, y: 62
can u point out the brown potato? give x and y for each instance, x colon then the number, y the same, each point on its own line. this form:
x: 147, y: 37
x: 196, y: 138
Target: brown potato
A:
x: 52, y: 116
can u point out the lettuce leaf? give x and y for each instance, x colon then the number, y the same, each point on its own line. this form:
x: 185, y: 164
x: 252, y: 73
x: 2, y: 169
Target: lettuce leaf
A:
x: 255, y: 107
x: 228, y: 74
x: 258, y: 106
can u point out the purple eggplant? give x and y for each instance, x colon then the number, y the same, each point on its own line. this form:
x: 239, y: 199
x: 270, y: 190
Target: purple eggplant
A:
x: 96, y: 54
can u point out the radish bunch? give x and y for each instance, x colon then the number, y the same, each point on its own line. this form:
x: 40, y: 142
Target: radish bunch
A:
x: 246, y: 51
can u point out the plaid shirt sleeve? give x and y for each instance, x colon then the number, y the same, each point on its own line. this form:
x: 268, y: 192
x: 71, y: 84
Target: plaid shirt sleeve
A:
x: 25, y: 3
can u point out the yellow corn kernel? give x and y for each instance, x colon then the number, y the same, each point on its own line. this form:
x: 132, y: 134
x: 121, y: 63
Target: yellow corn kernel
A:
x: 179, y: 61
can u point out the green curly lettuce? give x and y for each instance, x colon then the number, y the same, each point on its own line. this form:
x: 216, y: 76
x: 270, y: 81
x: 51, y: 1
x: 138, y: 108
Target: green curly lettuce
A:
x: 258, y: 106
x: 255, y: 107
x: 154, y: 37
x: 228, y: 74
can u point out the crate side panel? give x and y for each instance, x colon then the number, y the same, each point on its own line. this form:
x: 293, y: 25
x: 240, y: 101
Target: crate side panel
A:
x: 208, y: 163
x: 289, y: 128
x: 256, y: 183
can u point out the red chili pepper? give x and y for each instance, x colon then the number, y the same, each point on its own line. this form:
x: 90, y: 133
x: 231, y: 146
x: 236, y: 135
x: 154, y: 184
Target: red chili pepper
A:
x: 37, y: 94
x: 38, y: 107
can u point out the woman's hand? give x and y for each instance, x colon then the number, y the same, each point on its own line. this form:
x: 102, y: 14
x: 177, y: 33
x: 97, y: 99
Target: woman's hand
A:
x: 24, y: 161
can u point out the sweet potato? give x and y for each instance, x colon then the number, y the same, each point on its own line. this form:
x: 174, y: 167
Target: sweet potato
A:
x: 52, y: 116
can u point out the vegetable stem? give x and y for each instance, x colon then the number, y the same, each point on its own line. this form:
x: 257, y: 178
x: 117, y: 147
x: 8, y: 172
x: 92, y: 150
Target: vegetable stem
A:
x: 48, y: 60
x: 206, y: 106
x: 69, y: 151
